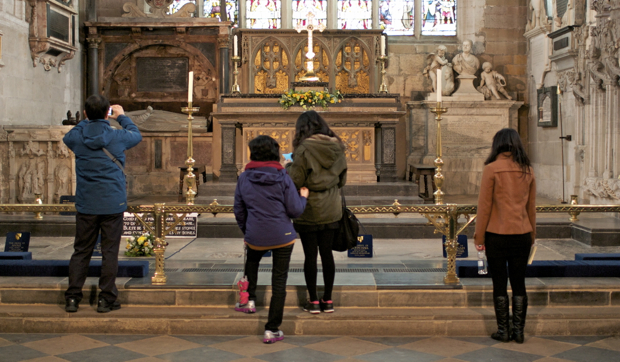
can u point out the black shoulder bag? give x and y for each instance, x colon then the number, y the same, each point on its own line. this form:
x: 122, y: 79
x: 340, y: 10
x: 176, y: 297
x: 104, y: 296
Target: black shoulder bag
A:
x: 346, y: 237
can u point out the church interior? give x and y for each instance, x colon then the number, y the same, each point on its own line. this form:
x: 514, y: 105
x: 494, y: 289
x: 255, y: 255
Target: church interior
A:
x: 402, y: 82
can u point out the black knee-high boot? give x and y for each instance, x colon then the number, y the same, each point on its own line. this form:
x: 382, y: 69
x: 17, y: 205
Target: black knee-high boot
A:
x: 501, y: 314
x: 519, y: 311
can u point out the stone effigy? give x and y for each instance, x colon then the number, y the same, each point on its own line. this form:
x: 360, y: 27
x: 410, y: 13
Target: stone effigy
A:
x: 150, y: 120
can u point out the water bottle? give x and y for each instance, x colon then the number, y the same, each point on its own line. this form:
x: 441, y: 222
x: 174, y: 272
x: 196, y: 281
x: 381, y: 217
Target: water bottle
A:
x: 482, y: 263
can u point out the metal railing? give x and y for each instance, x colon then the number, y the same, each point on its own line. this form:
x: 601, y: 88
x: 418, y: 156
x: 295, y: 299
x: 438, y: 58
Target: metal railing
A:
x: 449, y: 220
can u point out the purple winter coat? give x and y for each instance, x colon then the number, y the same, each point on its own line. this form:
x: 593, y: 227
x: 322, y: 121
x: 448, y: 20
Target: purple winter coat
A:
x: 265, y: 201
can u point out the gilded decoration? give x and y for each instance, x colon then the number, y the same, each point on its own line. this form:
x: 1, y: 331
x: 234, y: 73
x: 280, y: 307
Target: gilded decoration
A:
x: 283, y: 136
x: 352, y: 141
x: 271, y: 65
x: 353, y: 68
x: 320, y: 62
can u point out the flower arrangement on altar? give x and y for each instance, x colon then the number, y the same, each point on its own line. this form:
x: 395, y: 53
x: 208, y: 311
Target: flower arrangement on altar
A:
x: 310, y: 99
x: 140, y: 245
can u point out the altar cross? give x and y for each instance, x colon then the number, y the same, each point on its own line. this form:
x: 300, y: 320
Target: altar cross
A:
x: 310, y: 27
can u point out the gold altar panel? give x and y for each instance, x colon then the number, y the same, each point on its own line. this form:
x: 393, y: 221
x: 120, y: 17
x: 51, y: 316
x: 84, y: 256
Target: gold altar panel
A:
x: 284, y: 137
x: 363, y: 83
x: 271, y: 65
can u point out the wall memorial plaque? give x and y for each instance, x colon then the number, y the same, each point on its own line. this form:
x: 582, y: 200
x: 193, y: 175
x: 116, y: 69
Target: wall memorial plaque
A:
x: 548, y: 107
x: 17, y: 241
x: 162, y: 74
x: 58, y: 25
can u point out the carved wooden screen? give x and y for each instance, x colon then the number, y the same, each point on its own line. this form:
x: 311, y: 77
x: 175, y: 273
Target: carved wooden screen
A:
x: 353, y: 67
x: 271, y: 68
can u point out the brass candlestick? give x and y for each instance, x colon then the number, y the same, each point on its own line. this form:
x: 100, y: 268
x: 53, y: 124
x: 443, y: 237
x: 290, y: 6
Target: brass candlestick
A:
x: 190, y: 177
x: 439, y: 178
x: 235, y: 87
x: 39, y: 201
x: 383, y: 86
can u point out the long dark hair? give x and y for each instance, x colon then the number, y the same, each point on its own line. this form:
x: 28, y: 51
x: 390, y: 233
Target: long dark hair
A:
x: 310, y: 123
x: 508, y: 140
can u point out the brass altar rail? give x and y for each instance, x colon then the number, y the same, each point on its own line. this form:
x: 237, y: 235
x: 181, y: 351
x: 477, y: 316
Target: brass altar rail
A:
x: 449, y: 220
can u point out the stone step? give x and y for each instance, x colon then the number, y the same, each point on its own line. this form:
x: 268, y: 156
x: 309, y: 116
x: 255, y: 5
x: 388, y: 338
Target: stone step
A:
x: 411, y: 321
x: 357, y: 296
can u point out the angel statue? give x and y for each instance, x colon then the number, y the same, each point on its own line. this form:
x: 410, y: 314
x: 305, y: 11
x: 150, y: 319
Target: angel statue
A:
x: 438, y: 61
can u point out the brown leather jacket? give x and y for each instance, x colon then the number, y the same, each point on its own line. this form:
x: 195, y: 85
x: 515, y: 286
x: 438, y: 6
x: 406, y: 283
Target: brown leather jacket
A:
x: 507, y: 200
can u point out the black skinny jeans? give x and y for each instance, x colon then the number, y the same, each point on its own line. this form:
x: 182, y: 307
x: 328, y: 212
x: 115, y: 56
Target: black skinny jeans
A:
x: 321, y: 240
x: 281, y: 258
x: 513, y: 250
x: 87, y: 230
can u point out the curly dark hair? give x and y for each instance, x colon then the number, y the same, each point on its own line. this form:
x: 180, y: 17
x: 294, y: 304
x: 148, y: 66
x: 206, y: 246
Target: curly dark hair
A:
x: 310, y: 123
x: 508, y: 140
x: 264, y: 148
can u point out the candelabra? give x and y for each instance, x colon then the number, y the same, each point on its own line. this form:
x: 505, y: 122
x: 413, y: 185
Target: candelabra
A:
x: 235, y: 87
x: 383, y: 86
x: 439, y: 178
x: 190, y: 177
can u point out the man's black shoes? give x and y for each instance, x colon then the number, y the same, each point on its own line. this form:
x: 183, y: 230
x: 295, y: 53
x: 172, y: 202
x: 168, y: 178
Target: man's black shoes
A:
x: 72, y: 305
x: 103, y: 306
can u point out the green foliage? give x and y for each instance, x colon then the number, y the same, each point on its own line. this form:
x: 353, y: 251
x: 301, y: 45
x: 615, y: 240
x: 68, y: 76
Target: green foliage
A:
x: 140, y: 245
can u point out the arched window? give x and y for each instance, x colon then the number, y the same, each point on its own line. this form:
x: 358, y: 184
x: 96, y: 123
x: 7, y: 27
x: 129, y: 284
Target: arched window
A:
x: 397, y: 17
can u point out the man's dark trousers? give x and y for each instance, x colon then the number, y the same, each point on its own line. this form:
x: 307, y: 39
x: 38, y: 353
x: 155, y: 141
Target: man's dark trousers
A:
x: 87, y: 229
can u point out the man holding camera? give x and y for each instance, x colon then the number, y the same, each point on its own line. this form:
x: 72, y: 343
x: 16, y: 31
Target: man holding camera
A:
x: 101, y: 197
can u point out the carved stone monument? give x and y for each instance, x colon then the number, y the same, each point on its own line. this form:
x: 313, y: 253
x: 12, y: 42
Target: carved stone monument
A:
x: 466, y: 65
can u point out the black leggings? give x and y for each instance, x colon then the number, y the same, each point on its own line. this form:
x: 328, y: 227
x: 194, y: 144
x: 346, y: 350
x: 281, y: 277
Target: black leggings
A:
x: 513, y: 250
x: 321, y: 240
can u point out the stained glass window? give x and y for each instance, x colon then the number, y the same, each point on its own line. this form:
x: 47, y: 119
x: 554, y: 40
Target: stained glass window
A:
x: 178, y: 4
x: 212, y: 9
x: 396, y: 16
x: 439, y: 17
x: 263, y: 14
x: 354, y: 14
x: 301, y: 8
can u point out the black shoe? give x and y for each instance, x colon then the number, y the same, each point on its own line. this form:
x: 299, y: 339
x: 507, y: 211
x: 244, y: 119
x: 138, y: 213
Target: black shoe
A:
x: 103, y: 306
x: 327, y: 307
x: 501, y: 314
x: 312, y: 307
x: 72, y: 305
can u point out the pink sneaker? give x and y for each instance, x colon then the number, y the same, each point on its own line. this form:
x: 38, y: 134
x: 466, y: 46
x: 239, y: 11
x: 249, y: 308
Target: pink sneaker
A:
x: 273, y: 337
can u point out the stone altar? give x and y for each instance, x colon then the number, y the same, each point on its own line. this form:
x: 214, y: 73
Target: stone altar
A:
x: 467, y: 131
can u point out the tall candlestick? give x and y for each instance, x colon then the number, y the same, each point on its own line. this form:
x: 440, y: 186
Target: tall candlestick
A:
x: 439, y: 85
x: 190, y: 88
x: 235, y: 51
x: 382, y: 46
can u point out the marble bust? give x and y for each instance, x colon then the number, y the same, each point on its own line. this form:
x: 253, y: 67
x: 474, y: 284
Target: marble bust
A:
x: 466, y: 63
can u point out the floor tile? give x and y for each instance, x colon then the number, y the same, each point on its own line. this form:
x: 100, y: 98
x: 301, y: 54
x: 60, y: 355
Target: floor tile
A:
x: 612, y: 343
x: 299, y: 354
x: 248, y: 359
x: 589, y: 354
x: 582, y: 340
x: 147, y: 359
x: 103, y: 354
x: 252, y: 346
x: 46, y: 359
x: 551, y: 359
x: 347, y: 346
x: 4, y: 342
x: 487, y: 341
x: 27, y: 337
x: 118, y: 338
x: 199, y: 354
x: 399, y: 355
x: 450, y: 359
x: 392, y: 341
x: 493, y: 354
x: 209, y: 340
x: 539, y: 346
x: 16, y: 353
x: 65, y: 344
x: 159, y: 345
x: 443, y: 346
x: 305, y: 340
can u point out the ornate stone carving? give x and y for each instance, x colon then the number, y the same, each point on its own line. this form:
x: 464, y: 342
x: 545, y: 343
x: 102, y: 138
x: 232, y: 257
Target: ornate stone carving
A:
x: 466, y: 63
x: 158, y: 9
x: 492, y: 83
x: 389, y: 143
x: 603, y: 188
x: 436, y: 61
x: 32, y: 150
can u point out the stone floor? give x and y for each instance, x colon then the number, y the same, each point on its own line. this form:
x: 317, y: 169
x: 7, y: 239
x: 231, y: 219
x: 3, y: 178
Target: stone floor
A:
x: 148, y: 348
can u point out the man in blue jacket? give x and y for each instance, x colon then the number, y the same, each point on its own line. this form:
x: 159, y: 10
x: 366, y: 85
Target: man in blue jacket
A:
x: 101, y: 197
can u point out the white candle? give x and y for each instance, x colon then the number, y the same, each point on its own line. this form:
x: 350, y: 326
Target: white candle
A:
x: 382, y: 46
x: 439, y: 85
x: 190, y: 88
x: 235, y: 51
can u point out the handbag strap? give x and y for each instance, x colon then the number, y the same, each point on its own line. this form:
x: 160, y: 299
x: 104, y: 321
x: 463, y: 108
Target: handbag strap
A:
x: 117, y: 162
x: 344, y: 206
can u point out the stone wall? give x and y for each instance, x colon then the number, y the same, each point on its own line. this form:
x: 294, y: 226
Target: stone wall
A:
x: 31, y: 95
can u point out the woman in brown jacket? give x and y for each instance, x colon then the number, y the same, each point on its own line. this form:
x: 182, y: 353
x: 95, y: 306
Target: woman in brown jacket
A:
x: 506, y: 227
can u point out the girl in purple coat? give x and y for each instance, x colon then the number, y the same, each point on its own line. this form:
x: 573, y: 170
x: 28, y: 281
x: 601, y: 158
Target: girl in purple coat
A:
x: 265, y: 201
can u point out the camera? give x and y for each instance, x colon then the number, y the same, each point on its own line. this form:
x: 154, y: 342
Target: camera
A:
x: 110, y: 111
